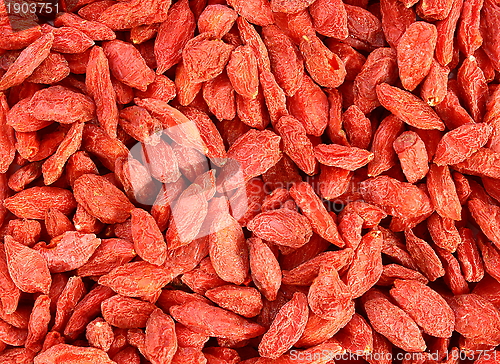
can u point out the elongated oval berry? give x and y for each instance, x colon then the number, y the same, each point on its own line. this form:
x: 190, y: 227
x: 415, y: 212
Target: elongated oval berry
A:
x: 424, y: 256
x: 243, y: 73
x: 68, y: 251
x: 264, y: 267
x: 325, y: 67
x: 58, y: 103
x: 392, y: 322
x: 148, y: 239
x: 102, y: 199
x: 328, y: 296
x: 161, y: 162
x: 296, y: 143
x: 77, y: 354
x: 310, y: 106
x: 126, y: 312
x: 460, y: 143
x: 476, y: 318
x: 245, y: 301
x: 412, y: 155
x: 217, y: 19
x: 384, y: 156
x: 99, y: 86
x: 27, y: 268
x: 160, y: 343
x: 251, y: 155
x: 205, y: 57
x: 109, y: 255
x: 187, y: 217
x: 287, y: 327
x: 366, y: 267
x: 400, y: 199
x: 29, y: 59
x: 34, y: 202
x: 136, y: 279
x: 286, y: 61
x: 312, y: 207
x: 304, y: 274
x: 330, y: 18
x: 173, y: 35
x: 414, y: 66
x: 443, y: 193
x: 429, y: 310
x: 380, y: 66
x: 214, y: 321
x: 335, y: 155
x: 283, y: 226
x: 408, y: 107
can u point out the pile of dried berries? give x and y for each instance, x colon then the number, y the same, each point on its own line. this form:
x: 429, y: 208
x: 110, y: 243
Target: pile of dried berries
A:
x: 257, y: 182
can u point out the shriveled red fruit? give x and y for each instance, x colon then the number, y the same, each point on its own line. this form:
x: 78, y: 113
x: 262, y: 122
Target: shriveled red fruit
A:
x: 296, y: 143
x: 76, y: 353
x: 264, y: 148
x: 310, y: 106
x: 160, y: 343
x: 328, y: 296
x: 334, y: 155
x: 227, y: 247
x: 425, y: 256
x: 443, y: 193
x: 151, y: 148
x: 392, y: 322
x: 29, y: 59
x: 100, y: 334
x: 102, y: 199
x: 311, y: 206
x: 283, y: 226
x: 476, y: 318
x: 173, y: 35
x: 264, y: 267
x: 380, y: 66
x: 204, y: 318
x: 110, y: 254
x: 366, y: 267
x: 27, y: 267
x: 58, y: 103
x: 34, y: 202
x: 205, y: 58
x: 324, y: 66
x: 418, y: 300
x: 136, y: 279
x: 460, y: 143
x: 330, y: 18
x: 304, y: 274
x: 400, y: 199
x: 414, y: 66
x: 217, y: 20
x: 256, y: 11
x: 98, y: 84
x: 245, y: 301
x: 286, y: 329
x: 68, y: 251
x: 243, y: 73
x: 408, y: 107
x: 148, y: 239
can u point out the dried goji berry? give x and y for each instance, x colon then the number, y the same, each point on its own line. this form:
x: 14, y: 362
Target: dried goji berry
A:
x: 19, y: 256
x: 286, y: 329
x: 392, y: 322
x: 415, y: 298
